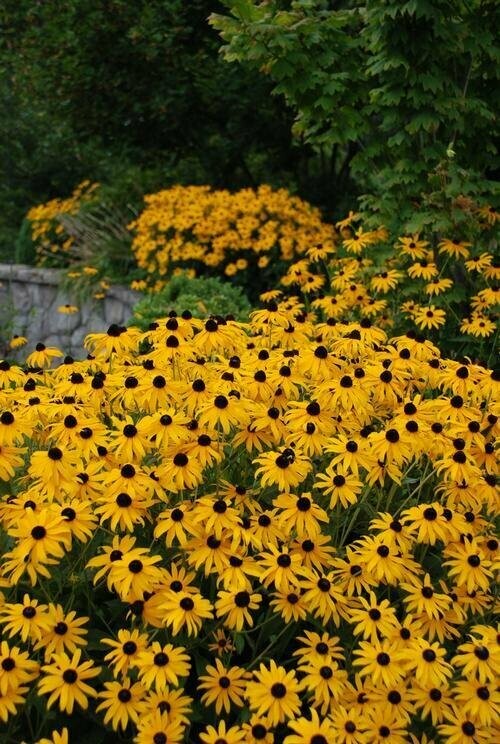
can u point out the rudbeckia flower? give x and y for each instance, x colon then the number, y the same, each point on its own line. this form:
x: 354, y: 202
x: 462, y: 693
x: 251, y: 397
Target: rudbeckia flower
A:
x: 223, y: 687
x: 186, y: 610
x: 43, y: 356
x: 286, y: 469
x: 159, y: 727
x: 273, y: 693
x: 159, y: 666
x: 65, y: 681
x: 121, y: 703
x: 430, y: 317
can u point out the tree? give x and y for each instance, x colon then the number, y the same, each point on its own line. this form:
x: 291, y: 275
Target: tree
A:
x: 136, y: 94
x: 402, y: 95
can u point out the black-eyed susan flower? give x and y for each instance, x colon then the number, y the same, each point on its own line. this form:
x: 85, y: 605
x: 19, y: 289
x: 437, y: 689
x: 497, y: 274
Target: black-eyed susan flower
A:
x: 340, y: 484
x: 478, y: 700
x: 174, y: 703
x: 273, y: 693
x: 371, y: 619
x: 306, y: 730
x: 460, y: 728
x: 27, y: 619
x: 119, y: 548
x: 207, y: 550
x: 176, y: 524
x: 65, y: 681
x: 17, y: 341
x: 315, y: 552
x: 381, y: 661
x: 223, y: 733
x: 290, y: 605
x: 394, y: 702
x: 381, y: 729
x: 324, y: 681
x: 41, y: 536
x: 43, y: 356
x: 477, y: 658
x: 285, y: 469
x: 300, y: 513
x: 350, y: 453
x: 428, y: 664
x: 125, y: 650
x: 323, y: 596
x: 454, y: 248
x: 281, y: 568
x: 16, y: 669
x: 235, y: 607
x: 135, y: 574
x: 158, y: 728
x: 317, y: 649
x: 412, y: 246
x: 121, y: 702
x: 223, y: 686
x: 422, y: 598
x: 222, y: 643
x: 423, y: 269
x: 468, y: 565
x: 67, y: 309
x: 63, y: 632
x: 56, y: 737
x: 382, y: 562
x: 429, y: 317
x: 179, y: 470
x: 216, y: 514
x: 432, y: 702
x: 160, y: 666
x: 347, y: 725
x: 351, y: 575
x: 186, y: 610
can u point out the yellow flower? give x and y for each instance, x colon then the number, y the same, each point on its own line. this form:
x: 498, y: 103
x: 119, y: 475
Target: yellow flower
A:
x: 273, y: 693
x: 17, y: 342
x: 67, y: 309
x: 430, y: 317
x: 65, y: 681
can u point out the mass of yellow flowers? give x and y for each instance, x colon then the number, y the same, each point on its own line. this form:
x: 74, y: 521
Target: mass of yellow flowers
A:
x: 196, y: 226
x: 280, y: 531
x: 48, y: 233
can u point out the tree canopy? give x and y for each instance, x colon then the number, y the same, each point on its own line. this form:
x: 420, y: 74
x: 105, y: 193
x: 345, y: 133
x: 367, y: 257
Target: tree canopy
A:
x: 406, y: 91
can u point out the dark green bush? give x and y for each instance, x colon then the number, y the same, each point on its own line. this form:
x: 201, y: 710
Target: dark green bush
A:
x: 201, y: 296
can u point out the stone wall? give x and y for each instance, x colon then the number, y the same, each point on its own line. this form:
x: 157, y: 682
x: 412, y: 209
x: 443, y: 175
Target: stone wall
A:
x: 29, y: 298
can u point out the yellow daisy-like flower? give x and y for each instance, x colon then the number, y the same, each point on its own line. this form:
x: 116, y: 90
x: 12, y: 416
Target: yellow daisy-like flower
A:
x: 429, y: 317
x: 273, y: 693
x: 67, y: 309
x: 223, y: 687
x: 17, y: 342
x: 121, y: 703
x: 65, y: 681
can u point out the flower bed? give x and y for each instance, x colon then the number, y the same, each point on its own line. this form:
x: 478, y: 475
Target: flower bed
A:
x: 265, y: 532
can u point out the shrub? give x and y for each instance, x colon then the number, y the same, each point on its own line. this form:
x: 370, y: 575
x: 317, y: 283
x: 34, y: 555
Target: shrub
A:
x: 202, y: 296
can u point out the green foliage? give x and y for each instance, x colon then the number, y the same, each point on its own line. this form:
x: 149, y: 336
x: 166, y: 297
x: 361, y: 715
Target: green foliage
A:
x: 201, y: 296
x: 134, y: 95
x: 404, y: 90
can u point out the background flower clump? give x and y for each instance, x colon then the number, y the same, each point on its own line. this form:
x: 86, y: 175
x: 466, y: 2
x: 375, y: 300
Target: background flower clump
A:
x: 215, y: 230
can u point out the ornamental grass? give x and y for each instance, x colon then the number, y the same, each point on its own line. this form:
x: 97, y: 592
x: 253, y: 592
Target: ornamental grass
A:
x: 218, y: 532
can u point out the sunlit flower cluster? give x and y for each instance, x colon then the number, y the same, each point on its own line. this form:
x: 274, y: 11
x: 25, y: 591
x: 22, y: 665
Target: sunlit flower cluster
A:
x: 201, y: 228
x: 369, y: 275
x: 52, y: 243
x: 280, y: 531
